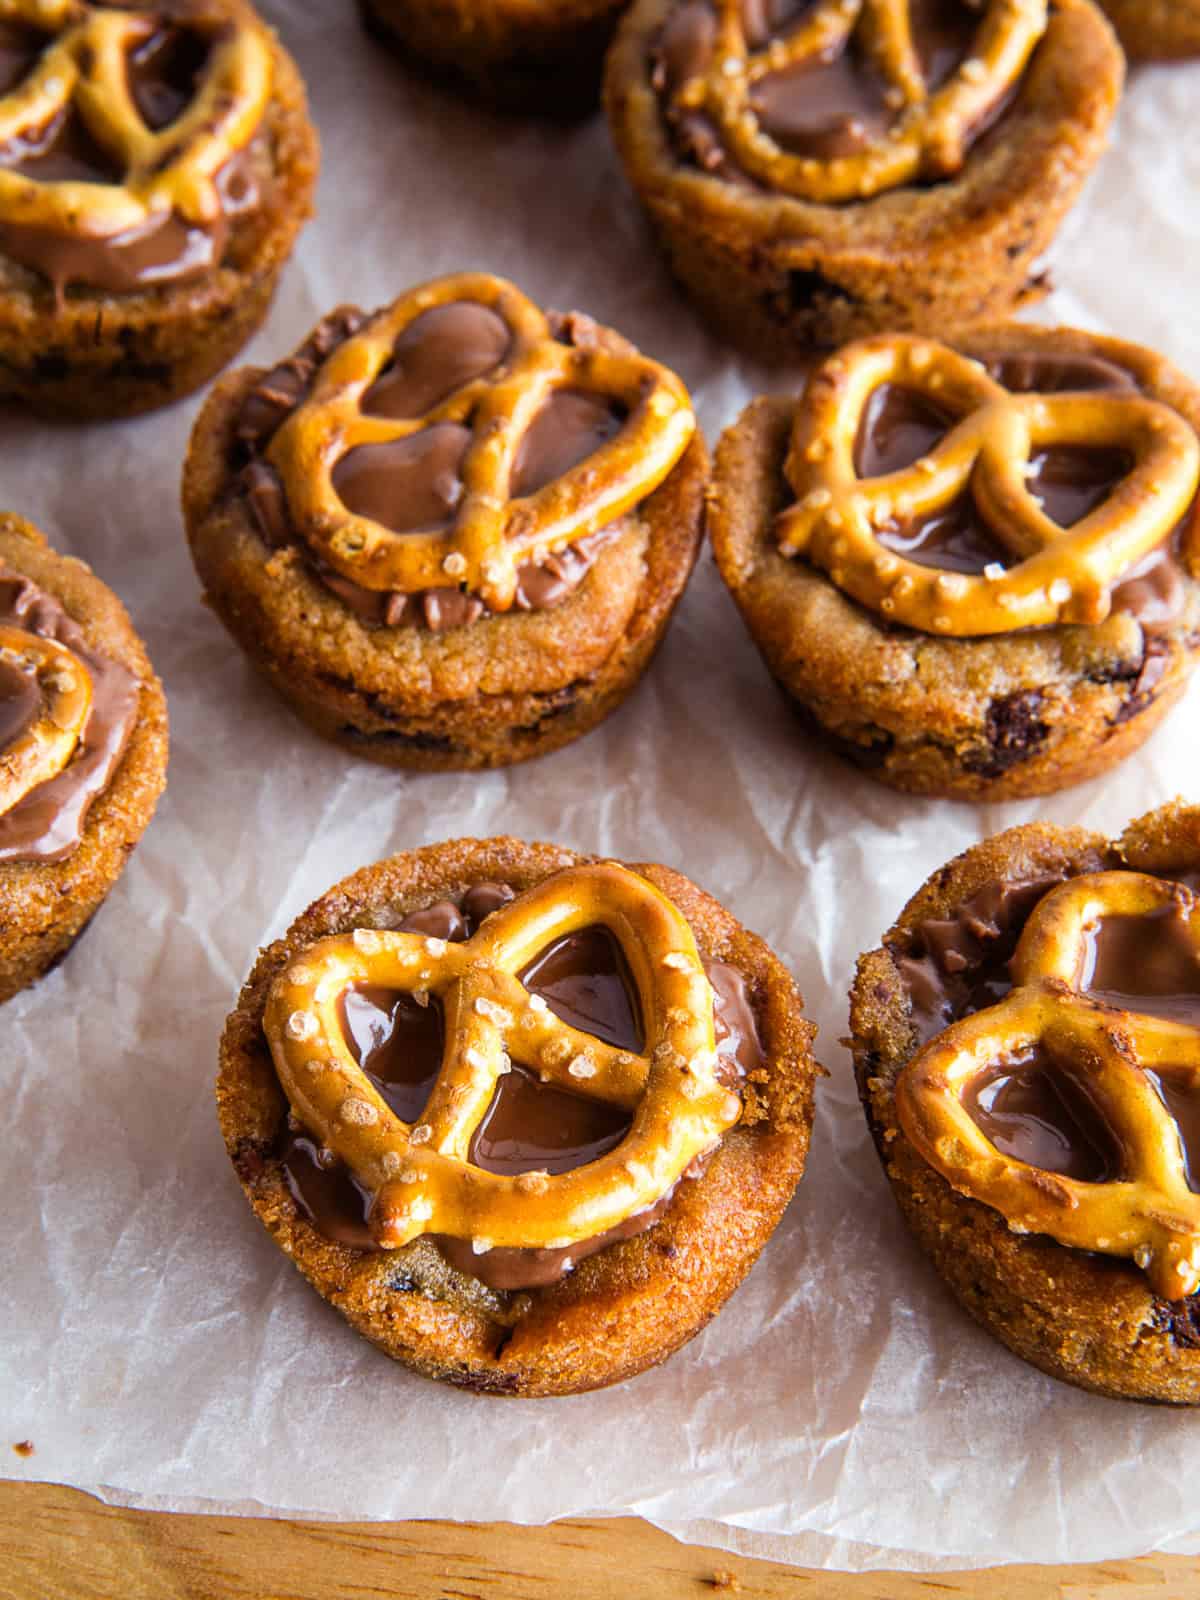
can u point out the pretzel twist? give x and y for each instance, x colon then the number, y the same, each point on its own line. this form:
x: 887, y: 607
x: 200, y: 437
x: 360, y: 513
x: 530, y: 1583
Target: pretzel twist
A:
x: 48, y: 743
x: 421, y: 1175
x: 931, y: 127
x: 492, y: 535
x: 1059, y: 574
x: 85, y: 69
x: 1150, y: 1212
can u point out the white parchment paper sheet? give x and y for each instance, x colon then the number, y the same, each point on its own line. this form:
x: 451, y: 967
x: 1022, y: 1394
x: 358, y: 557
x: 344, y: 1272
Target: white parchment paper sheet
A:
x: 156, y: 1346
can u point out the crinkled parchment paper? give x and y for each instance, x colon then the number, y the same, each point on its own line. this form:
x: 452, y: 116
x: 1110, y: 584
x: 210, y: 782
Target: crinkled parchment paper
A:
x: 157, y: 1347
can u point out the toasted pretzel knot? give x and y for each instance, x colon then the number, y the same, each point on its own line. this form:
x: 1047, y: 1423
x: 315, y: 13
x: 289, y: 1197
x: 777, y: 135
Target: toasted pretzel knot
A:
x: 1149, y: 1212
x: 85, y: 69
x: 421, y: 1176
x: 1059, y: 574
x: 49, y: 741
x: 491, y: 535
x: 932, y: 125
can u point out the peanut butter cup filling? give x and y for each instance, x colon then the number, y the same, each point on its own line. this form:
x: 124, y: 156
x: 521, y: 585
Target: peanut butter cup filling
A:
x: 530, y: 1126
x: 164, y: 73
x: 47, y: 823
x: 901, y: 426
x: 416, y: 483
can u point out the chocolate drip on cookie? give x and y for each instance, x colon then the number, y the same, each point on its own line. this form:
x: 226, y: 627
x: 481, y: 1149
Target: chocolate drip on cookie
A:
x: 416, y: 482
x: 530, y: 1126
x: 47, y: 823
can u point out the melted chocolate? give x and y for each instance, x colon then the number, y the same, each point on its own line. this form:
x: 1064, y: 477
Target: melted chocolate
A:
x: 326, y: 1192
x: 20, y: 701
x: 569, y: 427
x: 440, y: 351
x: 943, y: 32
x: 164, y: 73
x: 510, y: 1269
x: 407, y: 484
x: 1034, y: 1111
x: 901, y: 425
x: 834, y: 106
x: 1144, y: 963
x: 739, y: 1046
x: 20, y: 47
x: 47, y: 824
x: 1057, y: 372
x: 164, y: 249
x: 825, y: 109
x: 952, y: 966
x: 538, y: 1127
x: 585, y: 980
x: 529, y: 1126
x: 397, y: 1042
x: 1180, y: 1093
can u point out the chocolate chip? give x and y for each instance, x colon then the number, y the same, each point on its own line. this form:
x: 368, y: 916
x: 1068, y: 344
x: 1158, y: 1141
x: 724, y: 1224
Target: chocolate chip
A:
x: 1014, y: 732
x: 808, y: 290
x: 1181, y: 1320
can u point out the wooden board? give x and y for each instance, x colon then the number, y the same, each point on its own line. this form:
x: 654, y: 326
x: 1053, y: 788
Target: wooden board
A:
x: 59, y: 1544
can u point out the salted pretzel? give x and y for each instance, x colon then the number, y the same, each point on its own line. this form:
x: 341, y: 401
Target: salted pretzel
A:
x: 1149, y: 1212
x: 49, y: 742
x: 492, y: 535
x: 421, y: 1176
x: 1059, y: 574
x: 84, y: 69
x: 931, y: 126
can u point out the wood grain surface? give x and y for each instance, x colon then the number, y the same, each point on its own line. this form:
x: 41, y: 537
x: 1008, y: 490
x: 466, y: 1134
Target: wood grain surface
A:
x: 59, y: 1544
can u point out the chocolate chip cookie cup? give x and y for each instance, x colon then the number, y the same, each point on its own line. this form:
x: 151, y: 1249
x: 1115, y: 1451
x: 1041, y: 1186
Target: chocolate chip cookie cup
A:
x: 83, y: 750
x: 156, y: 165
x: 525, y: 1118
x: 451, y: 534
x: 508, y: 54
x: 821, y: 172
x: 974, y: 570
x: 1027, y: 1048
x: 1156, y: 30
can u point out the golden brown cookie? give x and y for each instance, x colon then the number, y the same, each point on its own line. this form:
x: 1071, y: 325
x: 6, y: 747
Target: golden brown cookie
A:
x: 525, y: 1118
x: 973, y: 569
x: 157, y: 164
x: 451, y: 534
x: 820, y: 172
x: 83, y: 750
x: 1156, y: 30
x: 1027, y: 1048
x: 512, y: 55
